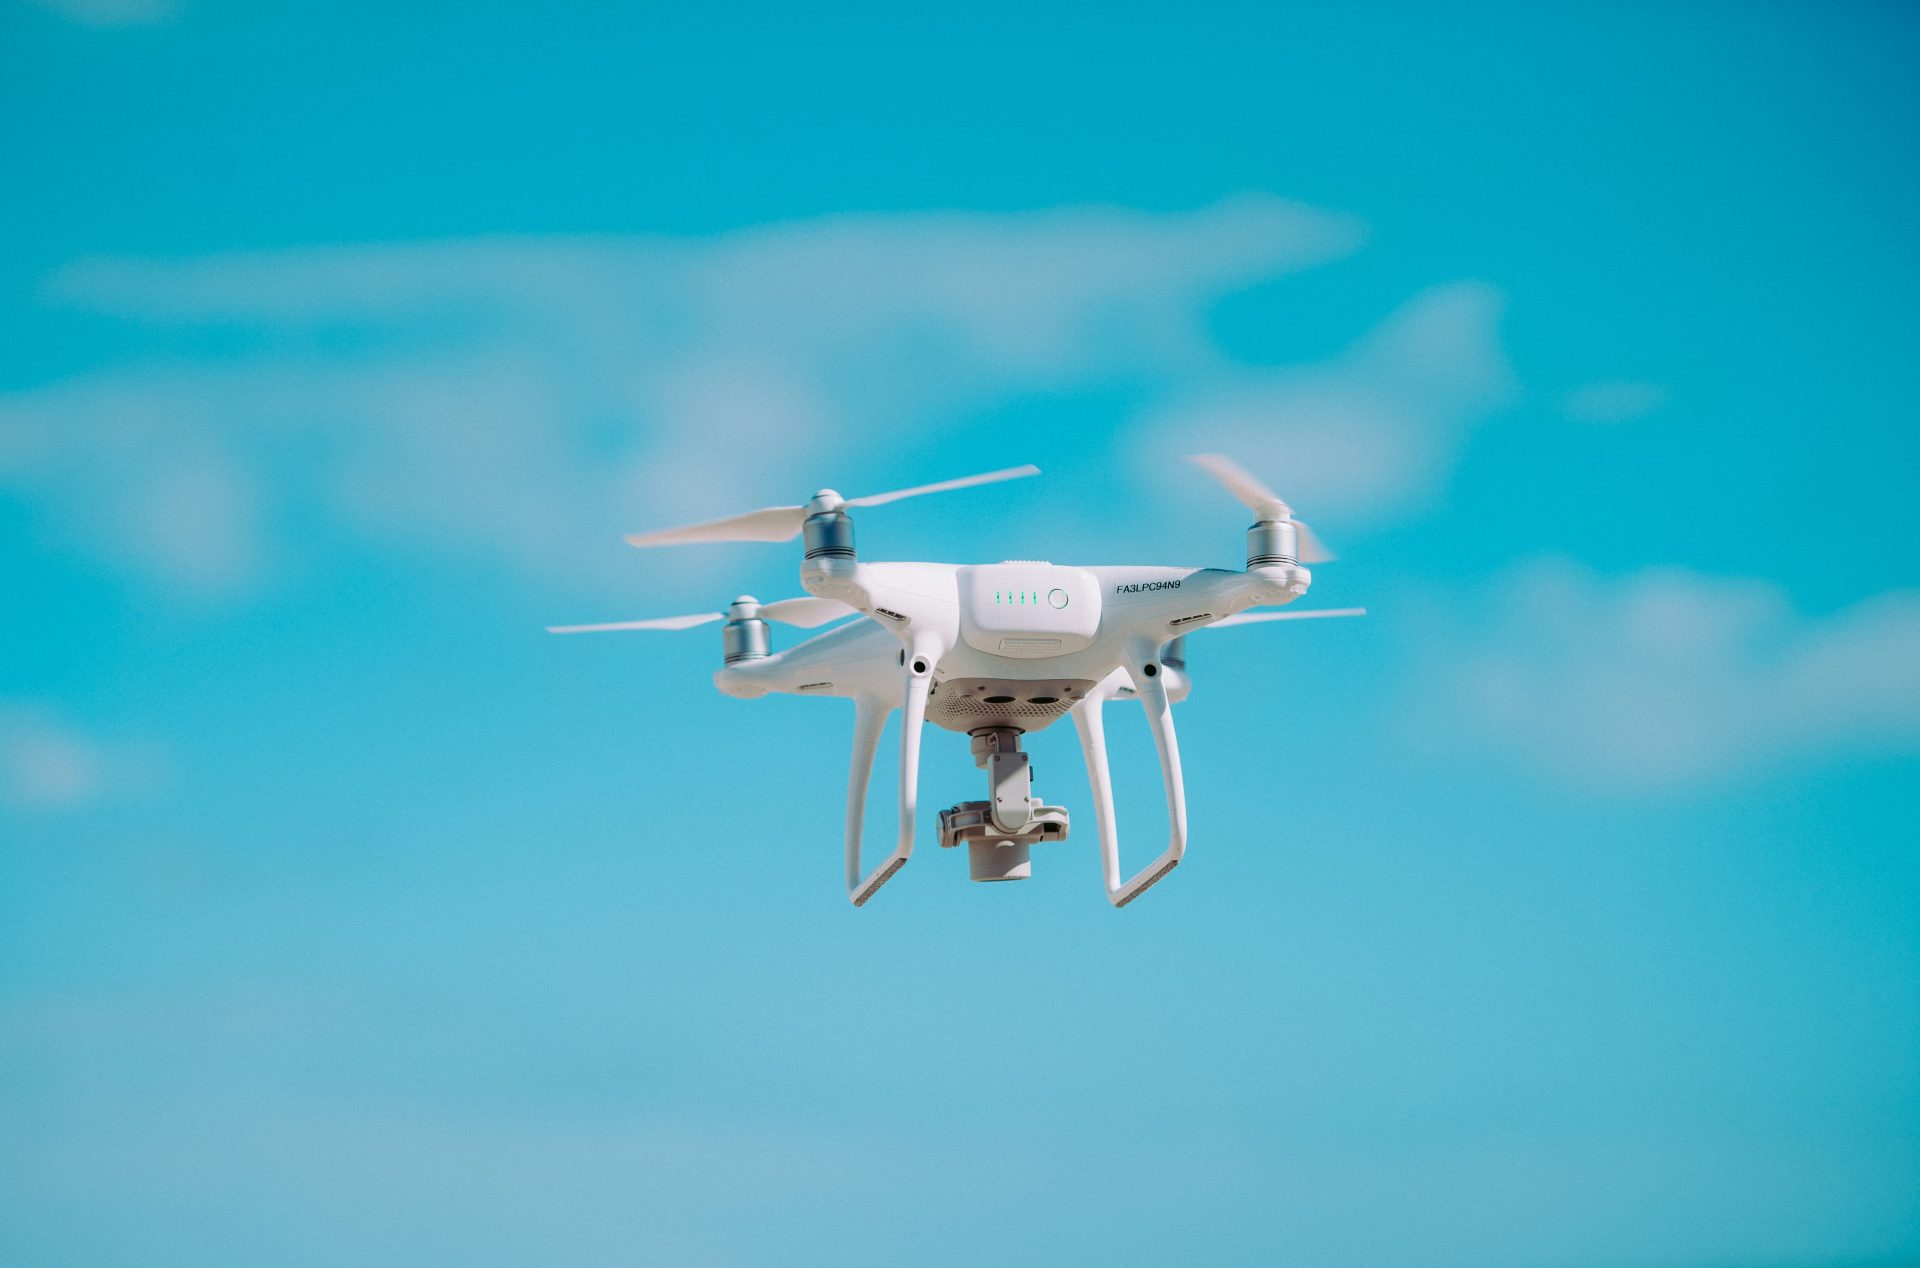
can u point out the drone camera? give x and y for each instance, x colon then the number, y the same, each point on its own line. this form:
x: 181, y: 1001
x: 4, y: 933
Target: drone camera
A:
x: 993, y: 855
x: 1000, y: 833
x: 999, y: 861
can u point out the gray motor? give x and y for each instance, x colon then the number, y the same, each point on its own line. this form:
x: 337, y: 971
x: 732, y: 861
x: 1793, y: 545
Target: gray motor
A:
x: 745, y: 636
x: 828, y: 534
x: 1272, y: 542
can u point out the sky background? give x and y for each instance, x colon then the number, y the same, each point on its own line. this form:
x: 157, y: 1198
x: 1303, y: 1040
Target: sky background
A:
x: 1565, y: 911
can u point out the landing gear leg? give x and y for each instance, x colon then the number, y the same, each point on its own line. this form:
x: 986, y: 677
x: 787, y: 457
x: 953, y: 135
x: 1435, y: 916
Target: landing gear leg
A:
x: 1150, y: 685
x: 868, y: 721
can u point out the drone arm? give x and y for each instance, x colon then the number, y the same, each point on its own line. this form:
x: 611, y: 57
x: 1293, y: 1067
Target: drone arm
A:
x: 1149, y: 684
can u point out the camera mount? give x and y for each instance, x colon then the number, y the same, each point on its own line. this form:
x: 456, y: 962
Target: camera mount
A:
x: 999, y: 832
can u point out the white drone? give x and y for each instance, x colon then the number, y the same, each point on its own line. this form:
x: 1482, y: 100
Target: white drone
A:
x: 995, y: 651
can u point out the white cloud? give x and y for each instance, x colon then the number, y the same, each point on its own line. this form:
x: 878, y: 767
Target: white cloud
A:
x: 47, y: 763
x: 530, y: 399
x: 1613, y: 401
x: 1664, y: 676
x: 1368, y: 434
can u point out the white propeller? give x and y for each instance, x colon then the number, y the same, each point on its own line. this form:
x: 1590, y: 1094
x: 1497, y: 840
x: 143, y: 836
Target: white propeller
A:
x: 1262, y: 501
x: 783, y: 523
x: 1284, y: 614
x: 806, y: 612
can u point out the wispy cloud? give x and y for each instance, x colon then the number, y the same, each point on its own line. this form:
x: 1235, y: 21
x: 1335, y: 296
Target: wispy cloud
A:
x: 48, y: 763
x: 527, y: 398
x: 1368, y: 434
x: 1665, y: 677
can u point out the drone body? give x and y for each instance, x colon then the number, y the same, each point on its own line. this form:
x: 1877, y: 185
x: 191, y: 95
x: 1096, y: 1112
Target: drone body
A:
x: 994, y: 651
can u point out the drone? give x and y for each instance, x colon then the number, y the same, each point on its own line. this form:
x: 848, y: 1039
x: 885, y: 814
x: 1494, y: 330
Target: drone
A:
x: 994, y: 651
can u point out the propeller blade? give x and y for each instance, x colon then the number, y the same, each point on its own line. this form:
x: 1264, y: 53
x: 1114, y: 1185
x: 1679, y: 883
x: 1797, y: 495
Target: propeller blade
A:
x: 1312, y: 549
x: 1262, y: 501
x: 783, y: 523
x: 657, y: 623
x: 772, y: 524
x: 1237, y: 480
x: 807, y: 611
x: 1285, y: 614
x: 966, y: 482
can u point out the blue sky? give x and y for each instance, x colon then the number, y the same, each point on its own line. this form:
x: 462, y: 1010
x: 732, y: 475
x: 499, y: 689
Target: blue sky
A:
x: 1562, y: 912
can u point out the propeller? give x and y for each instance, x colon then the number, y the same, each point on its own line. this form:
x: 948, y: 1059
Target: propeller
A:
x: 806, y: 612
x: 1285, y: 614
x: 1262, y: 501
x: 783, y: 523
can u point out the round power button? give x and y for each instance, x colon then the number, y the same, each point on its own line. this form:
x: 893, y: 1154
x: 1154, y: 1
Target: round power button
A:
x: 1057, y: 598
